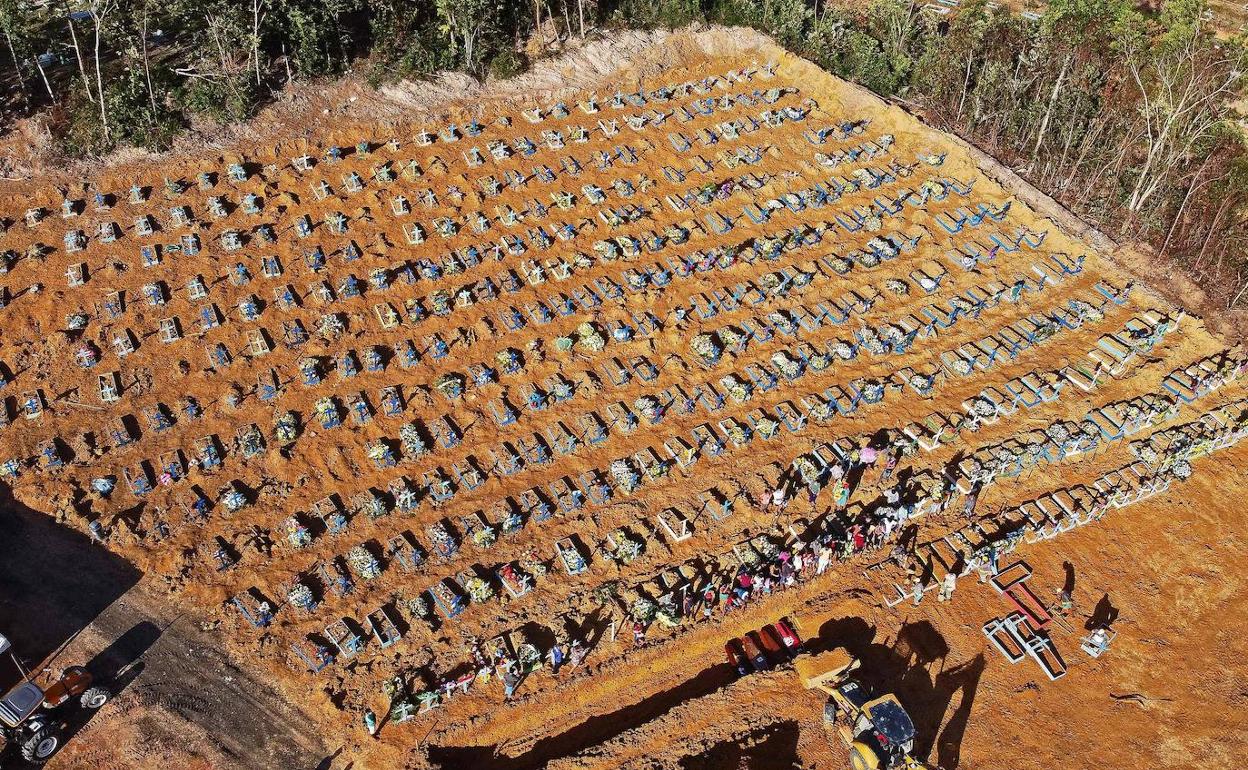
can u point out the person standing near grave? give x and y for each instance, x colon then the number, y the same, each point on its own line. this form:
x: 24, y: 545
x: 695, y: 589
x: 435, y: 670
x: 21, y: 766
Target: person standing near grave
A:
x: 812, y: 489
x: 947, y: 587
x: 890, y: 465
x: 916, y: 590
x: 824, y: 560
x: 556, y: 657
x: 1065, y: 603
x: 708, y: 603
x: 778, y: 499
x: 866, y: 458
x: 968, y: 506
x: 510, y: 682
x: 840, y: 494
x: 576, y: 654
x: 370, y: 722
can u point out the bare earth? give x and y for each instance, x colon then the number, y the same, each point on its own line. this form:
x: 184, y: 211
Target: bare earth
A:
x: 201, y: 687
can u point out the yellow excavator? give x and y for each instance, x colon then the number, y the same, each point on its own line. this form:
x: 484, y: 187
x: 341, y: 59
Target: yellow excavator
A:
x: 877, y: 730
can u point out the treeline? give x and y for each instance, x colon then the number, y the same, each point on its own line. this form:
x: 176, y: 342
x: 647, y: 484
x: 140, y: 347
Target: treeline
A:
x: 1123, y: 114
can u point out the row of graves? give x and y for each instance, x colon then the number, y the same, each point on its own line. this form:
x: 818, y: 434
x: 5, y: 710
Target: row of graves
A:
x: 1164, y: 458
x: 451, y: 597
x: 504, y: 327
x: 250, y: 307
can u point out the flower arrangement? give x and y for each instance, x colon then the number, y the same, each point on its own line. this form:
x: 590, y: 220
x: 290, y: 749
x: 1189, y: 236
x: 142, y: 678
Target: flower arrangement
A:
x: 478, y: 590
x: 363, y: 563
x: 301, y: 596
x: 897, y: 287
x: 643, y: 611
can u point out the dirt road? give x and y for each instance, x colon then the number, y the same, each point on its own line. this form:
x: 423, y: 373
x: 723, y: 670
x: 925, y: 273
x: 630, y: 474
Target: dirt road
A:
x: 181, y: 699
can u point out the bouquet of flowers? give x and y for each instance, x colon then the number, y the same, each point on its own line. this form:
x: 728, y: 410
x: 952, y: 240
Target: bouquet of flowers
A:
x: 484, y: 536
x: 643, y: 610
x: 897, y: 287
x: 363, y: 563
x: 301, y: 596
x: 478, y: 590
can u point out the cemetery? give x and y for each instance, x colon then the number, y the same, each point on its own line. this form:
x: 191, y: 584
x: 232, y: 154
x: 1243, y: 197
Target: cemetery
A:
x: 435, y: 400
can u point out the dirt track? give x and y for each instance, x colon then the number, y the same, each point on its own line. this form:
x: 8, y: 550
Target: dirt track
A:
x: 674, y: 703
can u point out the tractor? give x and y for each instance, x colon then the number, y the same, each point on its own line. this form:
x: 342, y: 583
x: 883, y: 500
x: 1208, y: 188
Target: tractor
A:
x: 877, y: 730
x: 27, y: 712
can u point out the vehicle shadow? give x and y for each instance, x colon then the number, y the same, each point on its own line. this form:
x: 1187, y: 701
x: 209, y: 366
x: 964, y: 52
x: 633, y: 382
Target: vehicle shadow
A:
x: 56, y: 581
x: 913, y: 667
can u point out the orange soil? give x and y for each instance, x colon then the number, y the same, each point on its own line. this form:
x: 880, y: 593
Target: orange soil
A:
x: 671, y: 704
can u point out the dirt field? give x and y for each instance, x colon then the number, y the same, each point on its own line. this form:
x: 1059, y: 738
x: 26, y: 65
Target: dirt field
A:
x: 989, y: 346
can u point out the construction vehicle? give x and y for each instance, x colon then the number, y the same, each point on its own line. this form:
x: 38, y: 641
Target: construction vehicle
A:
x: 877, y: 730
x: 27, y: 712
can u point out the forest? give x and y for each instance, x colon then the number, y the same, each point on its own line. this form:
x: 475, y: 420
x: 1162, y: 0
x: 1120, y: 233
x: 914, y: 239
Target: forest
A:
x: 1125, y: 114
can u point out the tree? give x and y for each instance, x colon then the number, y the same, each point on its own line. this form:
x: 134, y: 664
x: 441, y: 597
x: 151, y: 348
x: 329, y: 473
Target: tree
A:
x: 468, y: 25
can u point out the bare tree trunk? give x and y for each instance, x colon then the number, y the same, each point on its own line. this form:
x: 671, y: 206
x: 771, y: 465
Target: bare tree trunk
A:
x: 82, y: 67
x: 286, y: 60
x: 966, y: 83
x: 17, y: 70
x: 1048, y: 112
x: 580, y: 10
x: 567, y: 18
x: 98, y: 12
x: 255, y: 35
x: 44, y: 75
x: 147, y: 68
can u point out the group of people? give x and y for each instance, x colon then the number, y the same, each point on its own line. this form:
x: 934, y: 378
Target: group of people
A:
x: 770, y: 565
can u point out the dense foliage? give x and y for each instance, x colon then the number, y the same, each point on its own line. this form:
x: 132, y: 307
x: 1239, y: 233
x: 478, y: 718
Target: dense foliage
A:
x: 1124, y: 115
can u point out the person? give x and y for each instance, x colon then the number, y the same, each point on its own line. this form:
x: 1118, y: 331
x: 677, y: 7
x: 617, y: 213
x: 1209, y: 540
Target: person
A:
x: 639, y: 634
x: 824, y: 560
x: 968, y: 507
x: 946, y: 587
x: 778, y: 498
x: 708, y: 603
x: 1065, y: 603
x: 556, y: 658
x: 576, y: 654
x: 764, y: 501
x: 840, y: 494
x: 746, y: 584
x: 916, y: 590
x: 866, y: 459
x: 370, y: 722
x: 890, y: 465
x: 510, y: 682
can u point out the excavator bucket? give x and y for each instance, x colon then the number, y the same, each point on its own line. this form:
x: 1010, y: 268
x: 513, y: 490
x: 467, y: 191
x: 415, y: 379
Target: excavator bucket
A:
x: 823, y: 671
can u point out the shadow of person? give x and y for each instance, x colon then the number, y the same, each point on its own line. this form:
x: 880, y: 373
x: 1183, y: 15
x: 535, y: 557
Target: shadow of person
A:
x: 124, y: 650
x: 965, y: 679
x: 328, y: 762
x: 1103, y: 615
x: 1069, y: 585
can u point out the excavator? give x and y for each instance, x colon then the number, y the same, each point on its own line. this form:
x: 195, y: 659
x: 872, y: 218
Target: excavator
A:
x: 877, y: 729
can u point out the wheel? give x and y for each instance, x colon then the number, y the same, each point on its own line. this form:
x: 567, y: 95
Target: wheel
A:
x: 95, y: 697
x: 40, y: 746
x: 861, y: 757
